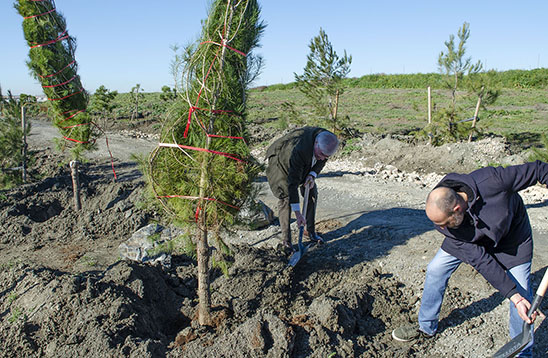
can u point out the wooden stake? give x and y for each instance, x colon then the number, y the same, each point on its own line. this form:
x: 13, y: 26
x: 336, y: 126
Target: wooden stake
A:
x: 429, y: 113
x: 335, y: 110
x: 429, y: 105
x: 75, y: 185
x: 23, y: 125
x: 475, y: 115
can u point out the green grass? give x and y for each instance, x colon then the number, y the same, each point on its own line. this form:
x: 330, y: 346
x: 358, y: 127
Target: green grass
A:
x: 390, y: 104
x: 392, y: 111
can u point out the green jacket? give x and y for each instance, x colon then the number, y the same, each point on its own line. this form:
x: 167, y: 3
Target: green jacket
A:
x: 290, y: 161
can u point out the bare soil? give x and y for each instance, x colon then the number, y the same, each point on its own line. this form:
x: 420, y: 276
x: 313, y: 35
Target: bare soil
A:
x: 64, y: 292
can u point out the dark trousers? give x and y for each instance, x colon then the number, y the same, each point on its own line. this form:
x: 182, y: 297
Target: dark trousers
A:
x: 284, y: 213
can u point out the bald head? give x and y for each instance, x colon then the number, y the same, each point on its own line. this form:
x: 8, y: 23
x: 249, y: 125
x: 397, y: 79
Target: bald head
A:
x: 445, y: 207
x: 327, y: 142
x: 443, y: 199
x: 325, y: 145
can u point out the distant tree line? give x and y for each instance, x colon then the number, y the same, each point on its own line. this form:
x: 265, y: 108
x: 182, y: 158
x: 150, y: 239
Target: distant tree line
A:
x: 537, y: 78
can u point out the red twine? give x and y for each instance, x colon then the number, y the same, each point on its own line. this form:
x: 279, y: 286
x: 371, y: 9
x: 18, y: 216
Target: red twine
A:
x: 56, y: 73
x: 44, y: 13
x: 60, y: 84
x: 67, y: 96
x: 61, y: 37
x: 191, y: 110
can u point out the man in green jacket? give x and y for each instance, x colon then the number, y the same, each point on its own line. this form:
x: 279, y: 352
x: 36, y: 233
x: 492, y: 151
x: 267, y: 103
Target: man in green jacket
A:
x: 293, y: 160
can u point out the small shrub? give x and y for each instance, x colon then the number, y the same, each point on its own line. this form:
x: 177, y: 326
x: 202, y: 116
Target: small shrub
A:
x: 350, y: 146
x: 17, y: 313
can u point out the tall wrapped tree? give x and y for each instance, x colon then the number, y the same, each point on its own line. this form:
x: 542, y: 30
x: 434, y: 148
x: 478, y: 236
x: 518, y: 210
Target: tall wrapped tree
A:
x: 202, y: 169
x: 52, y: 63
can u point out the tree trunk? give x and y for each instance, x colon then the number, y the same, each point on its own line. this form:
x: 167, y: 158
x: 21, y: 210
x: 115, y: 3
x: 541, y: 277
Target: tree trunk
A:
x: 75, y: 185
x: 202, y: 249
x: 202, y: 254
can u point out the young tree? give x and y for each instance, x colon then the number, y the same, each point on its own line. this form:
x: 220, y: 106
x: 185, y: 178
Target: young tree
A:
x: 52, y: 62
x: 202, y: 169
x: 454, y: 64
x: 321, y: 81
x: 12, y: 147
x: 136, y: 97
x: 102, y: 102
x: 486, y: 89
x: 168, y: 94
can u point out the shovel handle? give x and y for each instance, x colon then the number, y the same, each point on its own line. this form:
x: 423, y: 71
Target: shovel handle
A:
x: 541, y: 290
x: 305, y: 203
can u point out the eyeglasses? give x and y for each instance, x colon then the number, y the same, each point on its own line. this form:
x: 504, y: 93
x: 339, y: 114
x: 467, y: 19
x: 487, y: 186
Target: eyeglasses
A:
x: 323, y: 154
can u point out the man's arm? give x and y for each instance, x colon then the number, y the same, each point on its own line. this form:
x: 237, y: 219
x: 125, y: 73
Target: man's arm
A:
x: 484, y: 263
x: 296, y: 168
x: 518, y: 177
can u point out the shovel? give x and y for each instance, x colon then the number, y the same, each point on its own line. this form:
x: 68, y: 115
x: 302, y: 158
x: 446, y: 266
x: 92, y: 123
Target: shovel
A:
x: 301, y: 248
x: 519, y: 342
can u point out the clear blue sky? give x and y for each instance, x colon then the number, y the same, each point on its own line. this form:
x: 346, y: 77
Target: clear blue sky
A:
x: 122, y: 42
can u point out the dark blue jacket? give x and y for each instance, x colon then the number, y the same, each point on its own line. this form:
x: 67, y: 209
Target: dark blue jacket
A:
x: 496, y: 234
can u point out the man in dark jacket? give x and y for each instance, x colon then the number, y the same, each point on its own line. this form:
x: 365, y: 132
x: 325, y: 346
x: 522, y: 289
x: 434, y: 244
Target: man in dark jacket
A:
x: 293, y: 160
x: 485, y: 224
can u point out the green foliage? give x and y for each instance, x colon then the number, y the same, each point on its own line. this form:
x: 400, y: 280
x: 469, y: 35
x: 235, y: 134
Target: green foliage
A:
x: 188, y: 246
x: 540, y: 153
x: 17, y: 313
x: 453, y: 64
x: 512, y: 79
x: 12, y: 297
x: 168, y: 94
x: 445, y: 128
x: 203, y: 170
x: 51, y: 61
x: 88, y: 261
x: 321, y: 81
x: 449, y: 123
x: 221, y: 264
x: 351, y: 145
x: 136, y: 95
x: 102, y: 102
x: 200, y: 174
x: 11, y: 138
x: 221, y: 257
x: 291, y: 115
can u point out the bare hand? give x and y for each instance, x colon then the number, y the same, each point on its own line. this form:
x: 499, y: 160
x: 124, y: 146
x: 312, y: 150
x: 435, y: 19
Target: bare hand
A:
x: 301, y: 221
x: 309, y: 182
x: 523, y: 307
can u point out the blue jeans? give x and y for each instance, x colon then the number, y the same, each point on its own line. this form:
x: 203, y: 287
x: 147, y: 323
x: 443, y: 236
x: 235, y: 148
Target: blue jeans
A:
x: 438, y: 272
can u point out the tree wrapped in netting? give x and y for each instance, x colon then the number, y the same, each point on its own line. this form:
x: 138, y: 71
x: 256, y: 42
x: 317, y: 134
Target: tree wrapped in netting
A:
x: 52, y: 63
x: 202, y: 169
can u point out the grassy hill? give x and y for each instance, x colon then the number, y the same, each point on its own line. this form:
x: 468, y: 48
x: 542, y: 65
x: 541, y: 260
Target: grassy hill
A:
x: 392, y: 104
